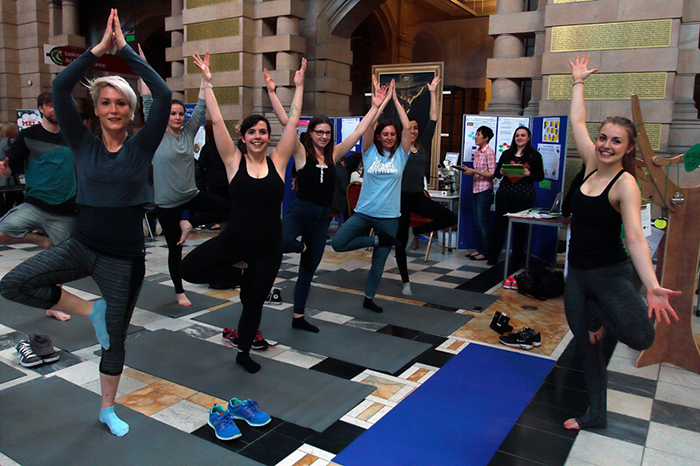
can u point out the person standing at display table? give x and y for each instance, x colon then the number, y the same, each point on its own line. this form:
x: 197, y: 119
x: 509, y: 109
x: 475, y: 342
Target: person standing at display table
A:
x: 482, y: 189
x: 174, y: 184
x: 107, y: 243
x: 413, y: 198
x: 599, y: 290
x: 515, y: 194
x: 384, y: 155
x: 254, y: 232
x: 309, y: 214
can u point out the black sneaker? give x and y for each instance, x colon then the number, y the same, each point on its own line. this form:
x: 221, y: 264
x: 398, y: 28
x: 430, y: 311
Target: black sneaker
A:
x: 525, y: 339
x: 26, y: 355
x: 230, y: 336
x: 275, y: 297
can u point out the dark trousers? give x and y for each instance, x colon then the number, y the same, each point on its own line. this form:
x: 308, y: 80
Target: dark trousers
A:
x: 422, y: 205
x: 212, y: 262
x: 507, y: 203
x: 212, y: 206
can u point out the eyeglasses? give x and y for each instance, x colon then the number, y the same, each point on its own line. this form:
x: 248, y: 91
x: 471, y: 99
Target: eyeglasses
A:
x: 322, y: 133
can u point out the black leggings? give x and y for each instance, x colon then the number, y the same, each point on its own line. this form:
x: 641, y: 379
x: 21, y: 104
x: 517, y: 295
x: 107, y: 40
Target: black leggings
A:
x: 509, y: 203
x: 422, y: 205
x: 606, y: 296
x: 34, y: 283
x: 213, y: 261
x: 214, y: 207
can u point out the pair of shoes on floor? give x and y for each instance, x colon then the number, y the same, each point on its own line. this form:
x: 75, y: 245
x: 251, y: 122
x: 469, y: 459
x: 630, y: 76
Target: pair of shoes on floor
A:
x: 525, y: 339
x: 274, y: 297
x: 29, y: 358
x: 230, y: 336
x: 511, y: 283
x: 222, y: 420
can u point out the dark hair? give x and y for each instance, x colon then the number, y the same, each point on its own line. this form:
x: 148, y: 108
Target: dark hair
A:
x: 378, y: 130
x: 309, y: 144
x: 44, y: 98
x: 485, y: 132
x: 418, y: 144
x: 248, y: 123
x: 528, y: 146
x: 628, y: 159
x: 178, y: 102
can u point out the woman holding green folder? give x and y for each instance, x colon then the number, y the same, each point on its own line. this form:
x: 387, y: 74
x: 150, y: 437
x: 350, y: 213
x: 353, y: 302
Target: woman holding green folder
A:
x: 515, y: 194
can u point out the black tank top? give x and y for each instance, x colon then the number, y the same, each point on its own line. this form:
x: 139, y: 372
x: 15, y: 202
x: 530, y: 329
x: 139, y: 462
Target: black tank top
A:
x: 256, y: 206
x: 315, y: 184
x: 595, y: 230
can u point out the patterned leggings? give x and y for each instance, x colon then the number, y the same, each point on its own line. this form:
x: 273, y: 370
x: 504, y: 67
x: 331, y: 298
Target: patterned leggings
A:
x: 34, y: 283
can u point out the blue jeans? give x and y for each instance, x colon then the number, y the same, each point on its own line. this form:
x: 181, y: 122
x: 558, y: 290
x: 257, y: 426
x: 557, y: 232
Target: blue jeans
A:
x: 351, y: 236
x: 311, y: 222
x: 481, y: 204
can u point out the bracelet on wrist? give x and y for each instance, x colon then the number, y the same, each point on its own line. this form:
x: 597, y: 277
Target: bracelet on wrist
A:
x: 210, y: 86
x: 578, y: 82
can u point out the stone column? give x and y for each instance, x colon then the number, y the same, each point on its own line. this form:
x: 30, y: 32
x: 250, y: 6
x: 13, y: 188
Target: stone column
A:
x: 70, y: 17
x: 533, y: 107
x: 55, y: 20
x: 505, y: 92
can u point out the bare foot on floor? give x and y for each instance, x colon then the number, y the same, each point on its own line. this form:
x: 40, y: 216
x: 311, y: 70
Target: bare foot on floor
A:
x: 62, y: 316
x: 185, y: 227
x: 595, y: 337
x: 571, y: 424
x: 182, y: 299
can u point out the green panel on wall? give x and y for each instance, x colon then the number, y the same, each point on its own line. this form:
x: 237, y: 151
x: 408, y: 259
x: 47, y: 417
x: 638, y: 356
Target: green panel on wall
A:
x: 213, y: 29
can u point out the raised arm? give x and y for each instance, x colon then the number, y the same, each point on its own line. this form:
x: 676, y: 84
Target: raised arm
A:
x: 630, y: 198
x: 577, y: 114
x: 288, y: 142
x: 143, y: 88
x: 377, y: 91
x: 299, y: 151
x: 228, y: 151
x: 403, y: 118
x: 367, y: 122
x: 432, y: 87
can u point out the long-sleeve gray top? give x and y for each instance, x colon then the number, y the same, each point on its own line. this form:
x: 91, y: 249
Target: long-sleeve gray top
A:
x: 173, y: 162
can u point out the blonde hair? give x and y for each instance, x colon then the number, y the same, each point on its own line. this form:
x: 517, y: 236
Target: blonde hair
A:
x: 7, y: 127
x: 95, y: 87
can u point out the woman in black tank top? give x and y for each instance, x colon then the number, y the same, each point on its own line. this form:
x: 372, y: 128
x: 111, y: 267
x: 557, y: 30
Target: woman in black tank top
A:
x: 254, y: 232
x: 308, y: 216
x: 599, y: 291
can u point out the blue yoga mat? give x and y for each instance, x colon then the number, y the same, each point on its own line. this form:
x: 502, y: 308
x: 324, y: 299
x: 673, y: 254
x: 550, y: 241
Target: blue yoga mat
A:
x: 459, y: 416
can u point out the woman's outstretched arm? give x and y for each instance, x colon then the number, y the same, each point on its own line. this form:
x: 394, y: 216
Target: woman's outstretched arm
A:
x: 577, y: 114
x: 281, y: 154
x: 379, y: 96
x: 368, y: 136
x: 299, y: 151
x: 403, y: 118
x: 228, y: 151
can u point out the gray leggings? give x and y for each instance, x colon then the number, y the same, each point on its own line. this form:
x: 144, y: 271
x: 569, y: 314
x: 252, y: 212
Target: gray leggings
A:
x: 604, y: 296
x: 34, y: 283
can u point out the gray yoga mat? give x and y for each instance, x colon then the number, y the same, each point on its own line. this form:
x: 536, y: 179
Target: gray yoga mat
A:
x: 304, y: 397
x: 460, y: 299
x: 75, y: 334
x: 8, y: 373
x: 157, y: 298
x: 61, y: 427
x: 421, y: 318
x: 364, y: 348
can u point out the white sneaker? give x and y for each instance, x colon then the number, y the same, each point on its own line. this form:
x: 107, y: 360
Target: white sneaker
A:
x: 407, y: 289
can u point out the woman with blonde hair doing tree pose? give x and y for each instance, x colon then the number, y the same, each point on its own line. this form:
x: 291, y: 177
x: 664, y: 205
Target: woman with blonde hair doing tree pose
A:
x: 599, y: 290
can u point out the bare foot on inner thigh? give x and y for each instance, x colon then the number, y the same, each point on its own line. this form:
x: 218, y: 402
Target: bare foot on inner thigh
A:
x: 60, y: 315
x: 595, y: 337
x: 182, y: 299
x: 571, y: 424
x: 185, y: 227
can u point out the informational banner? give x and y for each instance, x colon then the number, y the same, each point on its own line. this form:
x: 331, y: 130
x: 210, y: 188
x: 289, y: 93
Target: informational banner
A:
x: 27, y: 118
x: 344, y: 126
x: 64, y: 56
x: 551, y: 155
x: 470, y: 124
x: 506, y: 130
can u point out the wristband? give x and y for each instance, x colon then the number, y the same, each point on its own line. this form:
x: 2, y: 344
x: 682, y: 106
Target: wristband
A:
x: 577, y: 82
x: 210, y: 86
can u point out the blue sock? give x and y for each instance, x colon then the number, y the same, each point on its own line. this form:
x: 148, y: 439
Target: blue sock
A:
x: 97, y: 316
x: 116, y: 425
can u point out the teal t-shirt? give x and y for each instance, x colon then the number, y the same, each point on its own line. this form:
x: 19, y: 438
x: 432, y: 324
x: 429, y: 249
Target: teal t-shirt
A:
x: 381, y: 188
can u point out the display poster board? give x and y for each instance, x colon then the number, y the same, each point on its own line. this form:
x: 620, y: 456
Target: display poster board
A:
x: 470, y: 123
x: 549, y: 138
x: 344, y: 126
